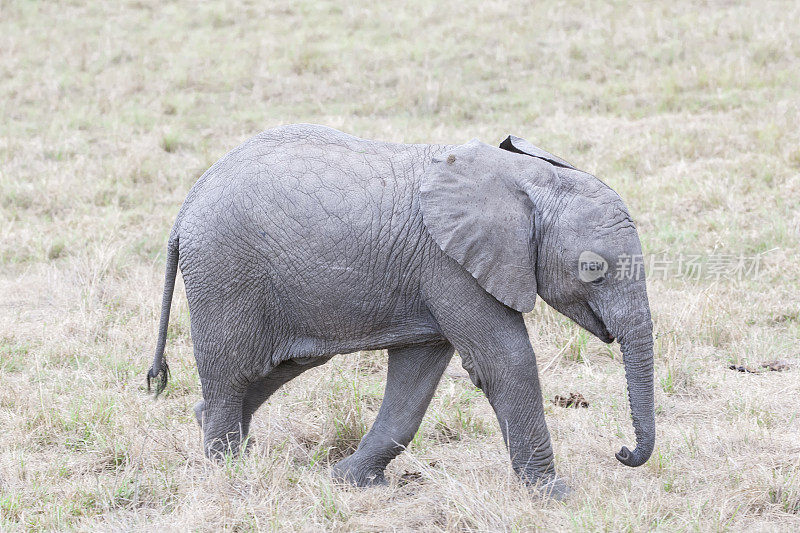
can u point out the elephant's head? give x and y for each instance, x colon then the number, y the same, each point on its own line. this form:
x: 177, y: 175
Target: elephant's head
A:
x: 522, y: 222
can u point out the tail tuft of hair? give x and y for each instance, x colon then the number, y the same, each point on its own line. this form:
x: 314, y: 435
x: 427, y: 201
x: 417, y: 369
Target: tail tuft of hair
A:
x: 161, y: 376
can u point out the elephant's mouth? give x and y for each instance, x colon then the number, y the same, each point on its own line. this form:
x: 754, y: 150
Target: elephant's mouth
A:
x: 607, y: 337
x: 601, y: 331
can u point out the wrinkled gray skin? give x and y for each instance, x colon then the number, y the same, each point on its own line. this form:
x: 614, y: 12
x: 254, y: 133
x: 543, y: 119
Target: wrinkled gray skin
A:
x: 305, y: 242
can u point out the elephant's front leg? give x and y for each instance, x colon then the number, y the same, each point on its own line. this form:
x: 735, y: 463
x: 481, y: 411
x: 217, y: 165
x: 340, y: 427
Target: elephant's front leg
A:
x: 495, y: 350
x: 510, y: 380
x: 504, y: 367
x: 413, y: 375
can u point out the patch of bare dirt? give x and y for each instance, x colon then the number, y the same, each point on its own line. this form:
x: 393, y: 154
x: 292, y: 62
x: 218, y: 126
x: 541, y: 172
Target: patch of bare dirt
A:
x: 780, y: 365
x: 575, y: 399
x: 777, y: 366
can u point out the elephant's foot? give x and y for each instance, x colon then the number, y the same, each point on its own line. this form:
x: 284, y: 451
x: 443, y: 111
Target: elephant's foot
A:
x: 349, y: 470
x: 556, y: 489
x: 544, y: 481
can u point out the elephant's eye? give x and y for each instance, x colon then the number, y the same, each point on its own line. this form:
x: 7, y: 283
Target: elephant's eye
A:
x: 599, y: 280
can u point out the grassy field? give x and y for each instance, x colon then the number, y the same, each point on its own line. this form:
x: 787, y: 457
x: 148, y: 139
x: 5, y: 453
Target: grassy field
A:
x: 109, y: 113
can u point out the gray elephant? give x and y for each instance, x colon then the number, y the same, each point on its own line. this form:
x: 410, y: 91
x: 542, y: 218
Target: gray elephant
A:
x: 305, y: 242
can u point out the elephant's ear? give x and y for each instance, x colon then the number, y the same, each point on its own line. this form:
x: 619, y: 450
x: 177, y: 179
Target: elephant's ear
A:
x: 521, y: 146
x: 477, y: 213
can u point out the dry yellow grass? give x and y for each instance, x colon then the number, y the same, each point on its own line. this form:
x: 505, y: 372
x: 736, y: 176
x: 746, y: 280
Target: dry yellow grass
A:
x: 109, y: 112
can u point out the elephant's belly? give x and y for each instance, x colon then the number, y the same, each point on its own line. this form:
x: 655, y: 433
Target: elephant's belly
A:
x: 309, y: 347
x: 345, y: 326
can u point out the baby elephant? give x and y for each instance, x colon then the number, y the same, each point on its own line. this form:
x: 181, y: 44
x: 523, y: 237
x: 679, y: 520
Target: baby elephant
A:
x: 305, y: 242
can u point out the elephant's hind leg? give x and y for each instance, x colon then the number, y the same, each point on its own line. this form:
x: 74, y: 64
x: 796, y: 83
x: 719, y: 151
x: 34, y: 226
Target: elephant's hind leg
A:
x: 259, y: 391
x: 413, y: 375
x: 222, y: 424
x: 218, y: 419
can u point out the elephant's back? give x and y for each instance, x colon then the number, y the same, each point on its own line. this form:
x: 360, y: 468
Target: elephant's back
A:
x: 305, y: 191
x: 287, y: 166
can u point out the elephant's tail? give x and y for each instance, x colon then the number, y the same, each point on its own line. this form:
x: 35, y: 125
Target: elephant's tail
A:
x: 160, y: 368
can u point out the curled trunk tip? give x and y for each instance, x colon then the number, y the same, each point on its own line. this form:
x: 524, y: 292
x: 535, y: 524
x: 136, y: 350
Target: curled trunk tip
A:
x: 637, y: 457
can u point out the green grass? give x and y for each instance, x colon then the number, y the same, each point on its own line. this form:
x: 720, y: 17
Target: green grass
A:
x: 108, y: 114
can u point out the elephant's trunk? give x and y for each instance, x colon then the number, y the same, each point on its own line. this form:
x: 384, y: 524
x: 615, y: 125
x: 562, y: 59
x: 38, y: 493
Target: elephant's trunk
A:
x: 637, y: 354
